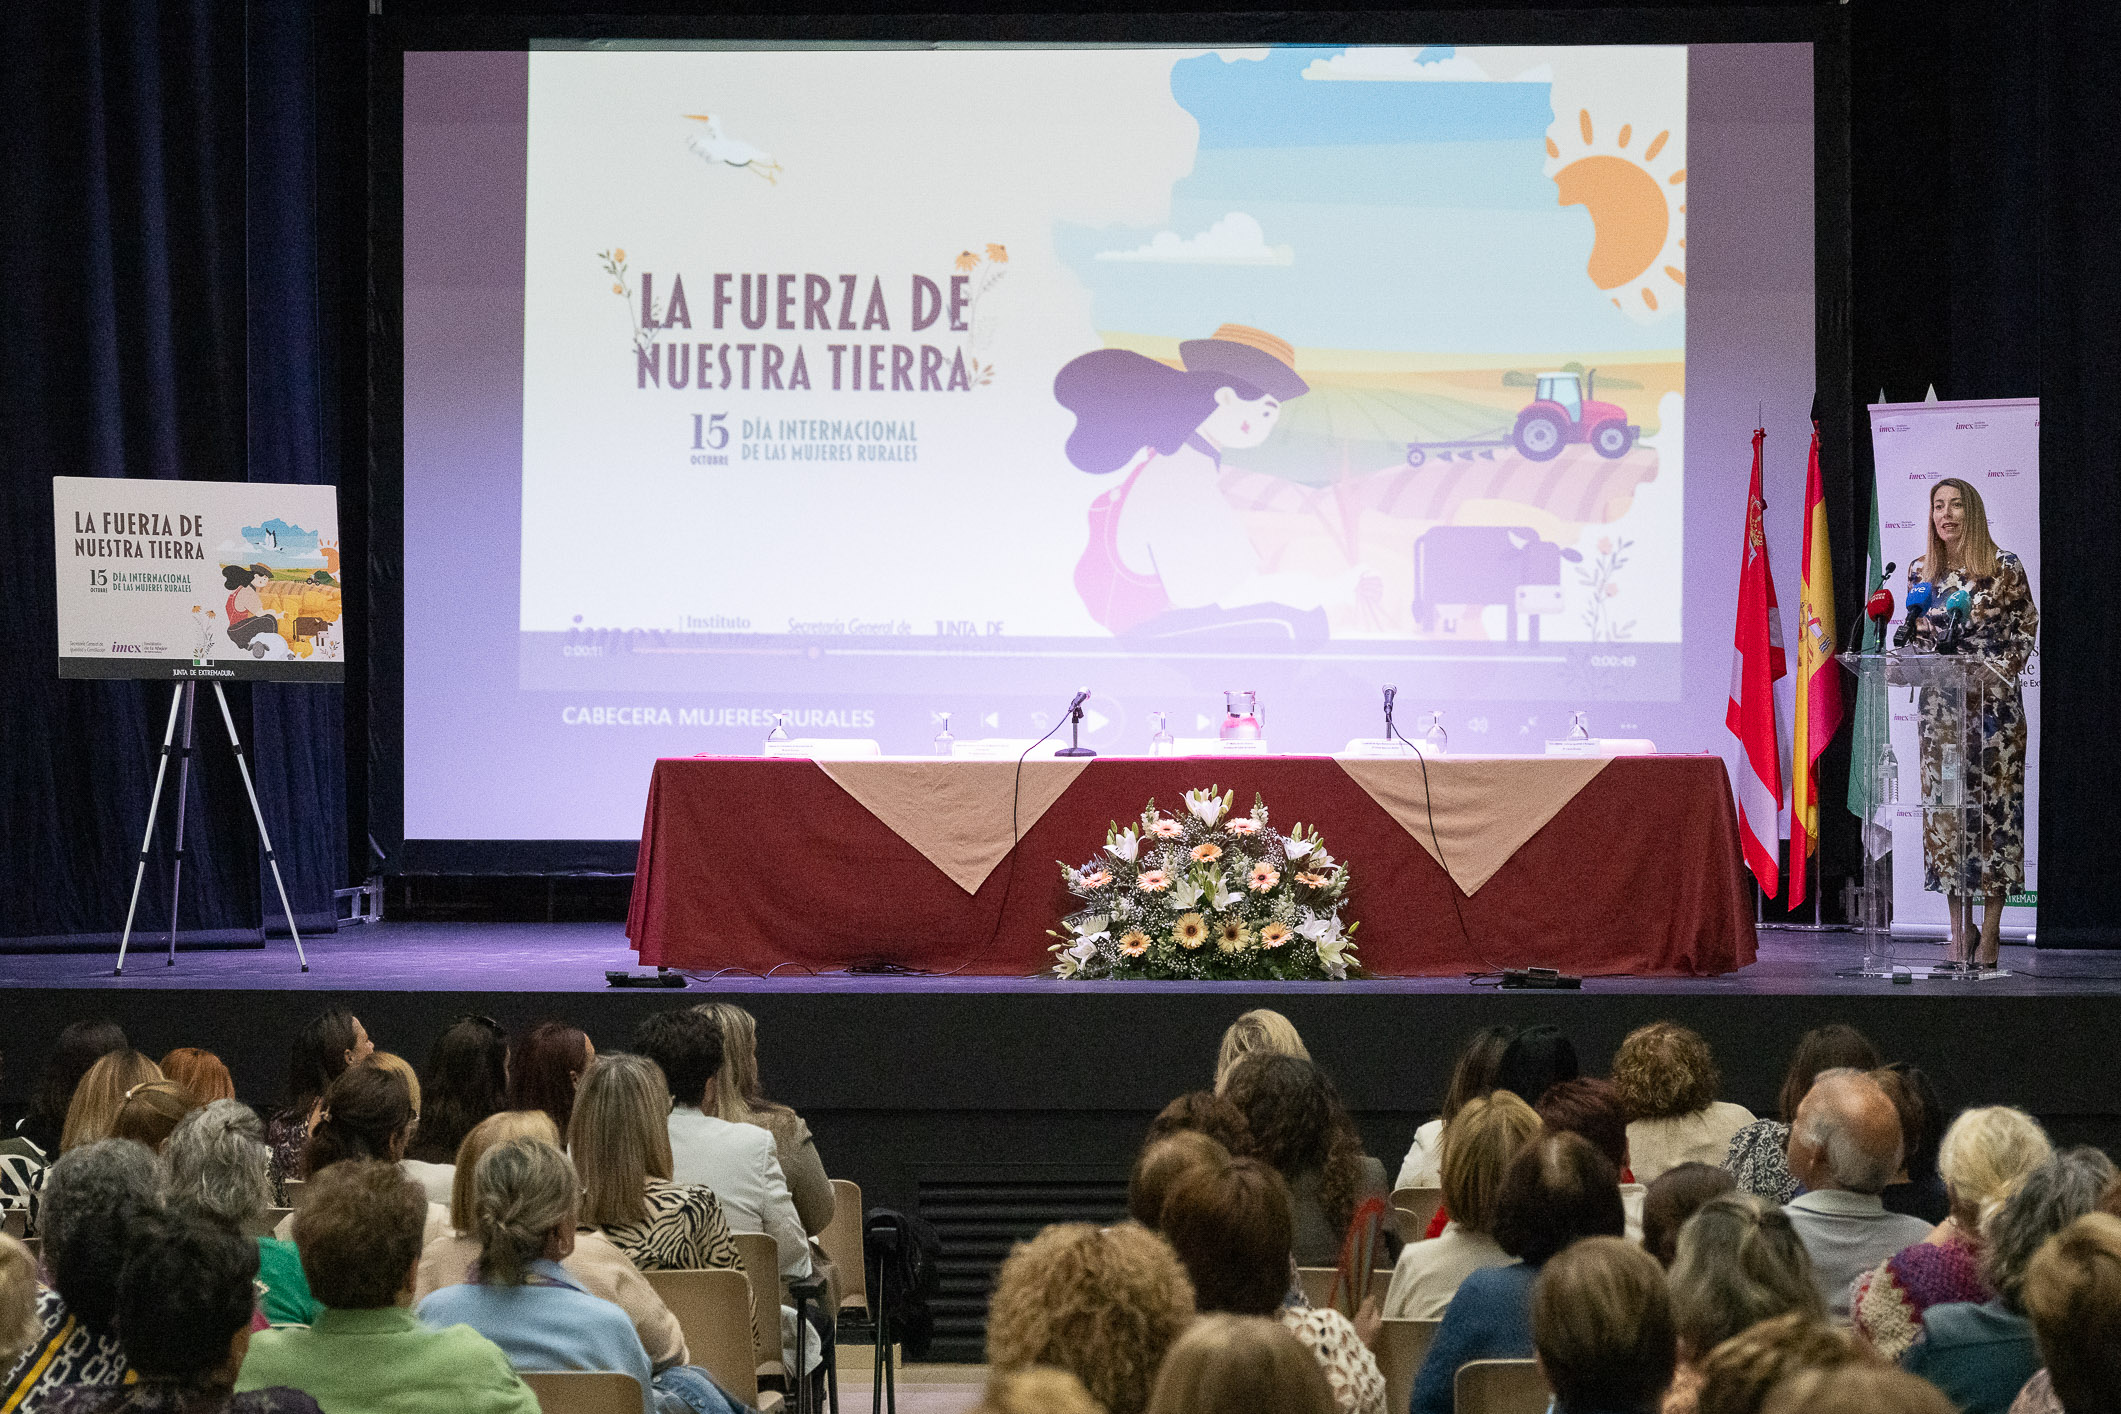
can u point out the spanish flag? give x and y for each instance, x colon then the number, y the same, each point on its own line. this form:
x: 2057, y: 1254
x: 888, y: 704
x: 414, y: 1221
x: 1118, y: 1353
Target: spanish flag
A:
x: 1818, y: 678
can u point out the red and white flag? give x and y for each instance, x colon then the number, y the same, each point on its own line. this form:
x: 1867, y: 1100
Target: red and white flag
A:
x: 1756, y: 661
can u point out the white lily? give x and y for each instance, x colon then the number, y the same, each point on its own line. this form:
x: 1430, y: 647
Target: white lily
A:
x: 1319, y: 930
x: 1185, y: 893
x: 1066, y: 967
x: 1333, y: 956
x: 1294, y: 849
x: 1224, y: 896
x: 1085, y: 950
x: 1208, y: 807
x: 1092, y: 927
x: 1125, y: 845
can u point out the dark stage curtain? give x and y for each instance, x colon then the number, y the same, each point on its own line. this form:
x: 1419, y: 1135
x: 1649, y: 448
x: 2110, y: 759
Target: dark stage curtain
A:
x: 130, y: 346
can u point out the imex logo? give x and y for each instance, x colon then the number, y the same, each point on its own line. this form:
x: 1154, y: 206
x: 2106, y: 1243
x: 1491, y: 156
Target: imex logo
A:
x: 1893, y: 426
x: 127, y: 648
x: 2007, y: 471
x: 1967, y: 426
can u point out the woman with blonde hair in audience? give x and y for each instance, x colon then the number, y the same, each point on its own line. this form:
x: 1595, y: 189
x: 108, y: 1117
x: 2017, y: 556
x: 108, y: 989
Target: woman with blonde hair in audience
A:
x: 1232, y: 1227
x: 101, y: 1094
x: 741, y: 1099
x: 621, y: 1149
x: 1472, y: 1076
x: 2073, y: 1296
x: 1478, y: 1146
x: 19, y: 1325
x: 1036, y: 1390
x: 1668, y: 1084
x: 1738, y: 1376
x: 601, y: 1269
x: 200, y: 1072
x: 1260, y: 1032
x: 1602, y: 1328
x: 1864, y: 1389
x: 1160, y: 1165
x: 1104, y: 1304
x: 525, y: 1198
x: 1739, y: 1263
x: 151, y: 1113
x: 1985, y: 1155
x: 1239, y: 1365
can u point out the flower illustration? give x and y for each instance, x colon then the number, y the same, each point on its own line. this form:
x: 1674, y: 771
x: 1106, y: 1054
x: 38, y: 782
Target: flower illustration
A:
x: 1207, y: 853
x: 619, y: 254
x: 618, y: 289
x: 966, y: 260
x: 1153, y: 881
x: 1262, y: 878
x: 1314, y: 881
x: 1271, y: 936
x: 1190, y: 931
x: 1611, y: 589
x: 1232, y: 936
x: 1167, y: 829
x: 1097, y: 879
x: 997, y: 253
x: 1243, y: 825
x: 1605, y: 544
x: 1133, y: 943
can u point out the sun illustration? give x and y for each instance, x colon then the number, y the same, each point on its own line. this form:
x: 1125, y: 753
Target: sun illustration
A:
x: 1633, y: 183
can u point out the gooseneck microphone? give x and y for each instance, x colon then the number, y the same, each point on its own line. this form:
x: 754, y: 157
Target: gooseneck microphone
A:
x: 1391, y: 695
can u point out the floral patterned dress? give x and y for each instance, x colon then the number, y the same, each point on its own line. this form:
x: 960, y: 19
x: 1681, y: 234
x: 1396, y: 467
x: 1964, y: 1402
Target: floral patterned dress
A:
x: 2001, y: 629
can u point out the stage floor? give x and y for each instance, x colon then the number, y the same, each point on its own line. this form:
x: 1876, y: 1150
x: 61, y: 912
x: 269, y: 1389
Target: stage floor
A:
x: 573, y: 957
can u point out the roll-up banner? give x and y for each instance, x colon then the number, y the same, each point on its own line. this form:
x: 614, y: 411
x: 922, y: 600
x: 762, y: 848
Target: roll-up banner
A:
x: 1993, y: 445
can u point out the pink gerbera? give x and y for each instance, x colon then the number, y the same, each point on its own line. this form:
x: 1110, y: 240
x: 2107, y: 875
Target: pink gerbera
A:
x: 1167, y: 829
x: 1153, y: 881
x: 1096, y: 879
x: 1243, y: 825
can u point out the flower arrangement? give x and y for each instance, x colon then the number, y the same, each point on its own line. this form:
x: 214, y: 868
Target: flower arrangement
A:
x: 1207, y: 894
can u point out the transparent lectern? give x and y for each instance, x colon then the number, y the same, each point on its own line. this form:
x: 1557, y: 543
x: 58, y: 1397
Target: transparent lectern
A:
x: 1949, y: 689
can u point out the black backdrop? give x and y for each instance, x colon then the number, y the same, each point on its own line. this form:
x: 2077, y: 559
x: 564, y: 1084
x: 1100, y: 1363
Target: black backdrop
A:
x: 185, y: 291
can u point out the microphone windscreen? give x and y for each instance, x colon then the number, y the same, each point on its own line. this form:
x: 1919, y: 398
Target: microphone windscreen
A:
x: 1919, y: 595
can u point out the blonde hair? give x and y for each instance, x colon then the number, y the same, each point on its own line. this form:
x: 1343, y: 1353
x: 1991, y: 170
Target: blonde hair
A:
x: 101, y: 1094
x: 488, y: 1133
x: 738, y: 1096
x: 1664, y: 1069
x: 151, y: 1112
x: 1986, y: 1154
x: 2072, y: 1292
x: 399, y: 1066
x: 200, y: 1072
x: 620, y: 1137
x: 525, y: 1188
x: 1238, y: 1364
x: 1259, y: 1032
x: 1037, y: 1390
x: 1477, y: 1148
x: 19, y: 1326
x: 1979, y: 559
x: 1102, y: 1303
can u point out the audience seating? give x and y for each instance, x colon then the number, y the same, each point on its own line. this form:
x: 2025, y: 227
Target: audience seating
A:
x: 1317, y: 1284
x: 1501, y: 1387
x: 296, y: 1191
x: 1416, y: 1207
x: 762, y: 1264
x: 842, y: 1241
x: 266, y: 1221
x: 584, y: 1391
x: 713, y: 1309
x: 1401, y: 1345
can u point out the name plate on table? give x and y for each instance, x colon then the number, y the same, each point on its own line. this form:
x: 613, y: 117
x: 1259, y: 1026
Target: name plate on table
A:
x: 1604, y: 746
x: 1376, y: 748
x: 823, y: 748
x: 1002, y: 748
x: 1216, y: 746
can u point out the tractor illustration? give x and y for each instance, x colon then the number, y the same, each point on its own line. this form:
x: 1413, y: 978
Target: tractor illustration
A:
x: 1564, y: 410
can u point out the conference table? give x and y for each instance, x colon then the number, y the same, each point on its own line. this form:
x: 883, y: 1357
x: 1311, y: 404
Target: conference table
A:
x: 1629, y: 865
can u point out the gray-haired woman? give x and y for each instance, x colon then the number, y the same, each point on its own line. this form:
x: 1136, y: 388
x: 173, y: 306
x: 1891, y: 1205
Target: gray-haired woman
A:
x: 221, y: 1167
x: 1982, y: 1355
x: 523, y: 1300
x: 1739, y: 1263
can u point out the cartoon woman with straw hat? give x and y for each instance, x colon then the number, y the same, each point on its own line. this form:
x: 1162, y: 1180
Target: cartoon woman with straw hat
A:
x: 1168, y: 553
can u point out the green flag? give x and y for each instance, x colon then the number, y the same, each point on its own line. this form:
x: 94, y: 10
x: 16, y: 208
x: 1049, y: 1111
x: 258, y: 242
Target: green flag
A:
x: 1872, y: 723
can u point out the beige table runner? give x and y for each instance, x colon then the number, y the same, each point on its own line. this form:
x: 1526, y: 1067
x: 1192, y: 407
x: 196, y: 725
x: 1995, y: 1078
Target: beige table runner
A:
x: 1486, y: 807
x: 956, y: 812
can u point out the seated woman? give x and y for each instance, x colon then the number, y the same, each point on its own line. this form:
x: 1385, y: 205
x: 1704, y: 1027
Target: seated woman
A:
x: 1558, y: 1189
x: 367, y: 1113
x: 1759, y: 1156
x: 221, y: 1168
x: 151, y: 1112
x: 601, y: 1269
x: 622, y: 1151
x: 1668, y: 1083
x: 528, y: 1304
x: 467, y: 1080
x: 1477, y: 1149
x: 1259, y: 1032
x: 1203, y: 1112
x: 1602, y: 1328
x: 98, y: 1199
x: 1239, y: 1365
x: 741, y: 1099
x: 34, y: 1141
x: 1232, y: 1226
x: 1918, y: 1190
x: 327, y: 1044
x: 1299, y: 1127
x: 1160, y: 1165
x: 1104, y: 1304
x: 93, y: 1112
x: 1592, y: 1108
x: 545, y: 1065
x: 1678, y: 1194
x: 200, y: 1072
x: 1985, y: 1155
x: 2073, y: 1295
x: 184, y: 1305
x: 1471, y: 1078
x: 1739, y: 1263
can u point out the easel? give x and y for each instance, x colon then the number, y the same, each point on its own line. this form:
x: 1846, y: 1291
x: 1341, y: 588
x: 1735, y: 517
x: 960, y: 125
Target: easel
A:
x: 183, y: 698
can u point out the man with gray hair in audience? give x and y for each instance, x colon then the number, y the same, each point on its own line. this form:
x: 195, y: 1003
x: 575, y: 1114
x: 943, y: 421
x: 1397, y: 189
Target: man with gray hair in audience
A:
x: 1844, y: 1150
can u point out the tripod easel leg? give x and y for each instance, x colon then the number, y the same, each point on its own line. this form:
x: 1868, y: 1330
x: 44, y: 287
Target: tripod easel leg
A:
x: 176, y: 877
x: 154, y: 802
x: 264, y: 836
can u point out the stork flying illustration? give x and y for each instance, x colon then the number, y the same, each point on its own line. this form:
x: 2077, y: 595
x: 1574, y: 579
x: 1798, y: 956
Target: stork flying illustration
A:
x: 713, y: 146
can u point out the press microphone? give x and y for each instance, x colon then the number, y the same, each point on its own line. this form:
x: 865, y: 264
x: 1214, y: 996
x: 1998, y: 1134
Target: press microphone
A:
x: 1957, y: 607
x: 1919, y: 595
x: 1880, y: 605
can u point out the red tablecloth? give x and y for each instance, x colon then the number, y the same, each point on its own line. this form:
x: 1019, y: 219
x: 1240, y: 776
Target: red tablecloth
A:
x: 751, y: 863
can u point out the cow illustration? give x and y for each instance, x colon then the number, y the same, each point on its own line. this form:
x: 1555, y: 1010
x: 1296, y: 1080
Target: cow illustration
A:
x: 1478, y: 565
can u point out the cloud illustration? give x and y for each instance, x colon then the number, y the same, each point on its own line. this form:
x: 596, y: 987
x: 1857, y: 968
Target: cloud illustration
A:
x: 1235, y: 240
x: 1393, y: 64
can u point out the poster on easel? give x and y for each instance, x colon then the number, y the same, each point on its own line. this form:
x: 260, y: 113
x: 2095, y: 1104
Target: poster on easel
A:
x: 235, y: 581
x: 1992, y: 444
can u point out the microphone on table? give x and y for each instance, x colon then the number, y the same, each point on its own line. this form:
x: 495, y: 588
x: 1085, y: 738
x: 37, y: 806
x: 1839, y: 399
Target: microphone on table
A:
x: 1391, y: 695
x: 1919, y: 595
x: 1074, y: 717
x: 1080, y: 699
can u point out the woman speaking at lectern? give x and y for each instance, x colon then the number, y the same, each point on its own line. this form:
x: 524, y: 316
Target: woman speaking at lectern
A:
x: 1996, y: 623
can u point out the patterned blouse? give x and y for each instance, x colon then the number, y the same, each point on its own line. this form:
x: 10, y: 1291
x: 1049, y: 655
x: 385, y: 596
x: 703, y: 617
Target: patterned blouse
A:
x: 1890, y: 1300
x: 1358, y: 1385
x: 1760, y: 1160
x: 65, y: 1352
x: 170, y: 1397
x: 286, y: 1133
x: 684, y: 1231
